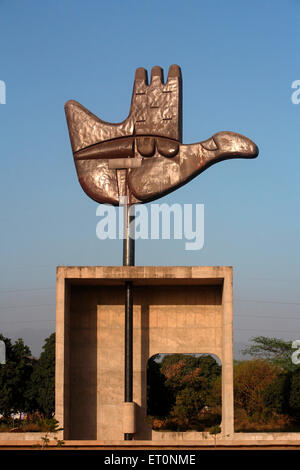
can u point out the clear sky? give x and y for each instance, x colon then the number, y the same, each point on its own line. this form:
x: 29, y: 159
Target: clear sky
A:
x: 238, y: 59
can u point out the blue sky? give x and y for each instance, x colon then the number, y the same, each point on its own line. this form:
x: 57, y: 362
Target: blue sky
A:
x: 238, y: 59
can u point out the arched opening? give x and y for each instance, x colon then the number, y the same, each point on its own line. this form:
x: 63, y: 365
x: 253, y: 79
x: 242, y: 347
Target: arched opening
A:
x: 184, y: 392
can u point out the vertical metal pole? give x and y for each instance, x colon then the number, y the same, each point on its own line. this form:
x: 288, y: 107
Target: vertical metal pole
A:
x: 128, y: 260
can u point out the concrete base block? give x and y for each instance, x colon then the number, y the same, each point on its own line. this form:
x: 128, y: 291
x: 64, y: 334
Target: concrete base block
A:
x: 185, y: 309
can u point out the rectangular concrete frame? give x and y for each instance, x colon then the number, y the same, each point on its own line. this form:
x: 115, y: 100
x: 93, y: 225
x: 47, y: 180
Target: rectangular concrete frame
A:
x: 176, y: 310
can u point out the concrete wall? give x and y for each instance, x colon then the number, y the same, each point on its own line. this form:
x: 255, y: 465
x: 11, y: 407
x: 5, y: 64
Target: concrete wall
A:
x: 26, y: 436
x: 176, y: 310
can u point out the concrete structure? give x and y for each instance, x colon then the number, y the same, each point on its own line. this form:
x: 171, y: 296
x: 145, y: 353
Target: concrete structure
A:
x: 175, y: 309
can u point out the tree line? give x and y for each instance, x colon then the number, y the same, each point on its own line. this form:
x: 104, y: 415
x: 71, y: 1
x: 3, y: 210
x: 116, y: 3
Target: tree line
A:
x: 27, y: 384
x: 183, y: 391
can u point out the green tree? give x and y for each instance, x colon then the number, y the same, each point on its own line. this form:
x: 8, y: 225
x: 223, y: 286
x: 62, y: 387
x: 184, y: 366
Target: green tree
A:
x: 191, y: 381
x: 43, y: 379
x: 276, y: 394
x: 275, y: 350
x: 15, y: 378
x: 294, y: 398
x: 198, y: 372
x: 214, y: 399
x: 159, y: 398
x: 251, y: 379
x: 188, y: 405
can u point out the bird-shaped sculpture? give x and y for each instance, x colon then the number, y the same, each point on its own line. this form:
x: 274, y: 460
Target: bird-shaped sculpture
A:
x: 143, y: 158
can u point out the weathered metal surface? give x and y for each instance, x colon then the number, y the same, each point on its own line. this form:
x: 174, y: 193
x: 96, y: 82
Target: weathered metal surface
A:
x: 122, y: 163
x: 150, y: 139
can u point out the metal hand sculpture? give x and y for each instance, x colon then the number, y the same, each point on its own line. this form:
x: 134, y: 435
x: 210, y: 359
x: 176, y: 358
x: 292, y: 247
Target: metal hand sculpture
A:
x: 143, y: 157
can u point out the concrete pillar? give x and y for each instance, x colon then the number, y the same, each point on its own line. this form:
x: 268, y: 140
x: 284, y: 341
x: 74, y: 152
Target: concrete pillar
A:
x: 62, y: 363
x: 128, y: 417
x: 227, y: 364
